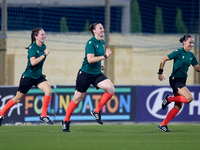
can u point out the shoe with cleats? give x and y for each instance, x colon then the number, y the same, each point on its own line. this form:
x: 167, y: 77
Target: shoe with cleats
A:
x: 164, y: 128
x: 46, y: 120
x: 165, y: 101
x: 1, y: 119
x: 65, y: 126
x: 97, y: 116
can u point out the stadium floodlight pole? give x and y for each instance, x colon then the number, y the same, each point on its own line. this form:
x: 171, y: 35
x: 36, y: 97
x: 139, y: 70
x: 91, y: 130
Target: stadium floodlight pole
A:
x: 107, y: 30
x: 3, y: 78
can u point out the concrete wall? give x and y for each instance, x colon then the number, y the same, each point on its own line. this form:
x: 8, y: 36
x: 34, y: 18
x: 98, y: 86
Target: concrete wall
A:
x: 135, y: 59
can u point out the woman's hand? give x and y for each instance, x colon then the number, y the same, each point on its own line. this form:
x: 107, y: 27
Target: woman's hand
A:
x: 102, y: 67
x: 161, y: 77
x: 108, y: 52
x: 46, y: 51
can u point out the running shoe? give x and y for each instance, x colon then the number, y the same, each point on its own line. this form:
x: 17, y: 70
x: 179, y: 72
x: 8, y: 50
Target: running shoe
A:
x: 165, y: 101
x: 164, y: 128
x: 65, y: 126
x: 46, y: 120
x: 1, y: 119
x: 97, y: 116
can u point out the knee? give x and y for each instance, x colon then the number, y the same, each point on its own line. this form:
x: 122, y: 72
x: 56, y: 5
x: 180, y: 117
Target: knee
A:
x: 189, y: 99
x: 17, y: 100
x: 110, y: 90
x: 78, y: 99
x: 113, y: 91
x: 48, y: 92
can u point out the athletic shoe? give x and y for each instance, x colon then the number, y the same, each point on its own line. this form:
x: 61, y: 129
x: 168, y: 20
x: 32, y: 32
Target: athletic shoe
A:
x: 165, y: 101
x: 1, y: 119
x: 46, y: 120
x: 163, y: 128
x: 65, y: 126
x: 97, y: 116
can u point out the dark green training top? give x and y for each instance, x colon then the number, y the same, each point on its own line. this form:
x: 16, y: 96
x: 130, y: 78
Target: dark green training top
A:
x: 96, y: 47
x: 182, y: 61
x: 34, y: 71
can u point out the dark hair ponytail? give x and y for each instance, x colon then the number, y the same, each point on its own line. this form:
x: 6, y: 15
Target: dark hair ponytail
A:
x: 92, y: 27
x: 33, y: 34
x: 185, y: 38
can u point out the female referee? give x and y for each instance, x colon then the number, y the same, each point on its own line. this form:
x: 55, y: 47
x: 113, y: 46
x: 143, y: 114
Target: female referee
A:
x: 90, y: 73
x: 183, y: 58
x: 37, y: 53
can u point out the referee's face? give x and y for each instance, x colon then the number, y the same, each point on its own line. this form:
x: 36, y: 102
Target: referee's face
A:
x: 99, y: 30
x: 41, y: 36
x: 188, y: 45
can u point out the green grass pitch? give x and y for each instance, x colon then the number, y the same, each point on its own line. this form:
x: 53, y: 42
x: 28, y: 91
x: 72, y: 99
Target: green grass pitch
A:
x: 100, y: 137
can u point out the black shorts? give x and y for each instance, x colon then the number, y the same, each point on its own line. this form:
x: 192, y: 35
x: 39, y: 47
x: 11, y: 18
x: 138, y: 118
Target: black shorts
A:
x: 177, y: 82
x: 26, y: 83
x: 84, y: 80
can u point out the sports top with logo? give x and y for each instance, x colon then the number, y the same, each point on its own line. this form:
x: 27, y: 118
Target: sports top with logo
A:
x: 34, y: 71
x: 182, y: 61
x: 96, y: 47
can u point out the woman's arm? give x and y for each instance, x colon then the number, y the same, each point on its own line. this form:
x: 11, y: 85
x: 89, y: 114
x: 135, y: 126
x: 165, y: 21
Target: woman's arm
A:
x: 34, y: 61
x: 92, y: 59
x: 197, y: 68
x: 162, y: 64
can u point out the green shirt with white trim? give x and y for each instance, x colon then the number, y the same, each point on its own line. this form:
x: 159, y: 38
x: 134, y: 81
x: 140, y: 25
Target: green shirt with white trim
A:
x: 96, y: 47
x: 34, y: 71
x: 182, y: 61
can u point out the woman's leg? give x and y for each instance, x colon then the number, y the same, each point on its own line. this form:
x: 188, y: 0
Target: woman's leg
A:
x: 78, y: 96
x: 18, y: 98
x: 184, y: 96
x: 45, y: 87
x: 172, y: 113
x: 109, y: 89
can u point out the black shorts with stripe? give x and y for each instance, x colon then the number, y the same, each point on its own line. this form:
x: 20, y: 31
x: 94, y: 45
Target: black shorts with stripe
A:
x: 84, y: 80
x: 26, y: 83
x: 177, y: 82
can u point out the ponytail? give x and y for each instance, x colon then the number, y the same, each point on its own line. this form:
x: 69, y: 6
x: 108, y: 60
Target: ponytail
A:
x: 92, y: 27
x: 185, y: 38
